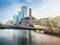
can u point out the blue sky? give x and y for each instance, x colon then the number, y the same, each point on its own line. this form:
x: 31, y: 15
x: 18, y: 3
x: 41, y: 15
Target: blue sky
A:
x: 40, y: 8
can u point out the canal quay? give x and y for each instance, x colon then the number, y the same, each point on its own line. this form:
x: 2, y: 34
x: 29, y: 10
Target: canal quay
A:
x: 26, y: 37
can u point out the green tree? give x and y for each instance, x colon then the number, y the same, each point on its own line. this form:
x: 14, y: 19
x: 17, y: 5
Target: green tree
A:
x: 1, y: 25
x: 55, y: 24
x: 38, y: 22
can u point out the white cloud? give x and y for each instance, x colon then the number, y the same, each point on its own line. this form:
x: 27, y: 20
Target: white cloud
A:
x: 7, y: 13
x: 7, y: 34
x: 33, y: 1
x: 50, y: 8
x: 46, y: 8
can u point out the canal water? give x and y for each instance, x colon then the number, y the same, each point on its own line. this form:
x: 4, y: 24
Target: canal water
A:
x: 26, y: 37
x: 14, y: 37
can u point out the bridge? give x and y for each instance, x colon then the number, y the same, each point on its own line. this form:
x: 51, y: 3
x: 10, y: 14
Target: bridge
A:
x: 47, y: 30
x: 20, y: 27
x: 26, y: 28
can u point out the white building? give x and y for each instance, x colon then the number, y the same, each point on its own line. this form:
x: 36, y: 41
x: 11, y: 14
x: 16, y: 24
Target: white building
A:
x: 9, y: 22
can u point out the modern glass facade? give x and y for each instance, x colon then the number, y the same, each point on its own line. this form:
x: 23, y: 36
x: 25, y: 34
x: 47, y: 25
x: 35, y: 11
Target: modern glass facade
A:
x: 15, y: 19
x: 24, y: 11
x: 20, y: 16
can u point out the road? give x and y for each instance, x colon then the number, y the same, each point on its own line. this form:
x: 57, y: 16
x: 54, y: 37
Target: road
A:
x: 44, y: 39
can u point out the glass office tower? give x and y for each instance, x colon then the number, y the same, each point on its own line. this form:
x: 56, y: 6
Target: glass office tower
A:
x: 20, y: 16
x: 24, y: 11
x: 15, y: 19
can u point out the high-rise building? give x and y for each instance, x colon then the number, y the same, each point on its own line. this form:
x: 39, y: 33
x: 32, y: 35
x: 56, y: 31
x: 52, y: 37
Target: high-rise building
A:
x: 15, y: 19
x: 28, y: 21
x: 20, y: 16
x: 24, y: 11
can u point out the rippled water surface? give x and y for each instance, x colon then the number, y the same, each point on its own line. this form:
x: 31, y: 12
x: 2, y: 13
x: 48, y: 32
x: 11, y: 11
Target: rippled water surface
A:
x: 26, y: 37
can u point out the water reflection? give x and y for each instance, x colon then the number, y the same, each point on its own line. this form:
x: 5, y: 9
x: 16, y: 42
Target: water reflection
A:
x: 26, y: 37
x: 13, y: 37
